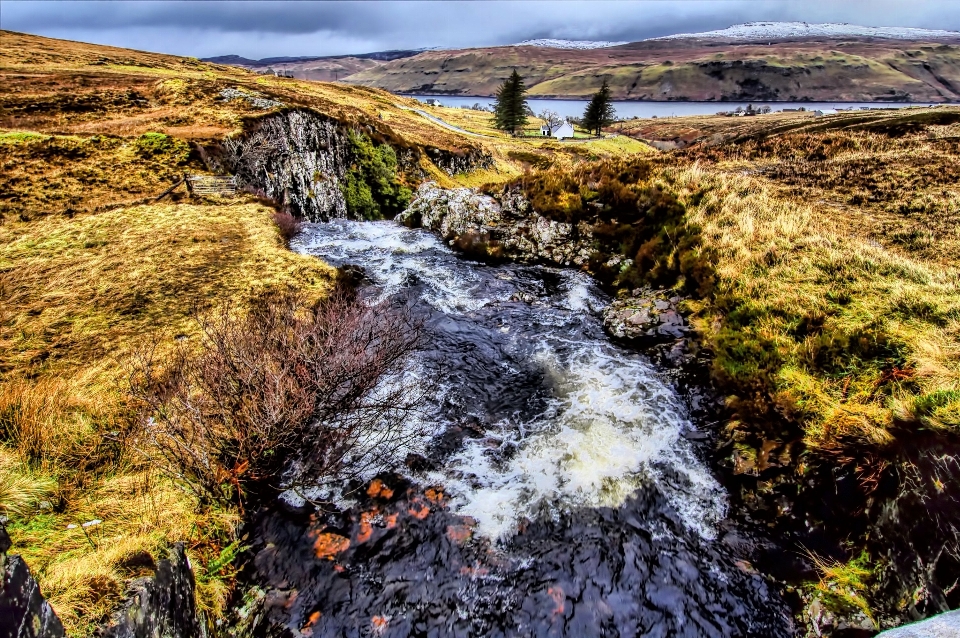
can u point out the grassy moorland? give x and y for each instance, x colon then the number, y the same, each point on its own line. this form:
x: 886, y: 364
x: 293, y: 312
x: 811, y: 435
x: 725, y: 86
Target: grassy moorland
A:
x: 92, y: 267
x: 810, y: 69
x: 823, y: 255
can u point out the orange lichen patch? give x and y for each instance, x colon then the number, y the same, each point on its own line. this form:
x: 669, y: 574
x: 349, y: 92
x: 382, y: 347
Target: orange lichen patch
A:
x: 329, y: 545
x: 419, y: 510
x: 307, y: 629
x: 366, y: 528
x: 390, y: 520
x: 559, y: 598
x: 379, y: 489
x: 474, y: 572
x: 458, y: 533
x: 379, y: 624
x: 434, y: 496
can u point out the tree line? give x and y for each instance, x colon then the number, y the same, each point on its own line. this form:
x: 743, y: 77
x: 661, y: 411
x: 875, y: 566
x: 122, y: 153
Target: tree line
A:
x: 510, y: 111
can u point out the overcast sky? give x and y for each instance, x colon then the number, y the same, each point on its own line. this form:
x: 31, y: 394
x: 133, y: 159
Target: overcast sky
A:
x: 266, y: 29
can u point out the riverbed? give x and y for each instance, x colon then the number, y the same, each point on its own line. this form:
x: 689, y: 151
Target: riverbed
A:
x: 556, y: 490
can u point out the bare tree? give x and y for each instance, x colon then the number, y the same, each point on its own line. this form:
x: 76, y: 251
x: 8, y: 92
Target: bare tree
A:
x: 302, y: 391
x: 552, y: 118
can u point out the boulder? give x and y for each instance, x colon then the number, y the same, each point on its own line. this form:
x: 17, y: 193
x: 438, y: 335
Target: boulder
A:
x: 499, y: 228
x: 23, y: 610
x: 646, y: 314
x: 160, y: 605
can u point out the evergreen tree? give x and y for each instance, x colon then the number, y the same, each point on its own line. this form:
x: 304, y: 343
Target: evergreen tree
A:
x: 599, y: 111
x: 510, y: 110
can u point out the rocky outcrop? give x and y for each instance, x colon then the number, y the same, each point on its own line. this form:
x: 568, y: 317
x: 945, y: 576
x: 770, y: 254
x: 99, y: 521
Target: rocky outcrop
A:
x: 454, y: 162
x: 162, y: 605
x: 297, y: 158
x: 24, y: 613
x: 504, y: 228
x: 646, y: 314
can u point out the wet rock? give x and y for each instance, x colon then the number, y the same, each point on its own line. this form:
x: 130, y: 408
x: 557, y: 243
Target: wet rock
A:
x: 408, y: 566
x: 160, y: 605
x: 484, y: 227
x: 647, y: 315
x: 24, y: 613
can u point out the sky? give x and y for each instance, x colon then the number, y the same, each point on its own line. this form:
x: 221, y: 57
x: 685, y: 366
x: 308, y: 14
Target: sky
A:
x: 266, y: 29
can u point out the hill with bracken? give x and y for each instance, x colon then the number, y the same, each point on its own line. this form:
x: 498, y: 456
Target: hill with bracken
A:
x: 782, y: 62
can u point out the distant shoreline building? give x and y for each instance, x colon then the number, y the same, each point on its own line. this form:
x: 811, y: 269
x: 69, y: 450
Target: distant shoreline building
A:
x: 559, y: 131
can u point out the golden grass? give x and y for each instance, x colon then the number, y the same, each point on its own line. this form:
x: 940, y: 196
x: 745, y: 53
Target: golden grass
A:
x: 91, y: 267
x: 857, y: 336
x: 80, y: 295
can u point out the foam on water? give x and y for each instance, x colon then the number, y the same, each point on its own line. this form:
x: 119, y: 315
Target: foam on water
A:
x: 608, y: 423
x: 394, y: 257
x: 611, y: 427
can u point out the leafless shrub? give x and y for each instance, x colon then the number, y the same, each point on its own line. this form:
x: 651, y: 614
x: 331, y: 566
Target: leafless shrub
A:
x: 286, y: 223
x: 302, y: 391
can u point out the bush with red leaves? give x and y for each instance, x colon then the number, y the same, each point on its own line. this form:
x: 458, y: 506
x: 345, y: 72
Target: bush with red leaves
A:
x: 288, y: 394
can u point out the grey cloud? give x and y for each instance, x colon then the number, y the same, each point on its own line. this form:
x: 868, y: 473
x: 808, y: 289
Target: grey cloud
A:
x: 261, y: 29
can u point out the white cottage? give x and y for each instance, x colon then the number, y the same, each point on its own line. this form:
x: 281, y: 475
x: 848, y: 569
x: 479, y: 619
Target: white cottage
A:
x: 822, y: 112
x: 559, y: 131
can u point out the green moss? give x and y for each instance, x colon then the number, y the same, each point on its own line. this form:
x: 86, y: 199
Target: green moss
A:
x: 371, y: 187
x: 157, y: 144
x: 18, y: 137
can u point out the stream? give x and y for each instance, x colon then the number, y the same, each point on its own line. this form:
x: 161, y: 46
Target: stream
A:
x: 558, y: 490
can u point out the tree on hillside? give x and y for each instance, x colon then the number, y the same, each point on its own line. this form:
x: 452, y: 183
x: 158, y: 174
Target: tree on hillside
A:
x: 510, y: 110
x: 599, y: 111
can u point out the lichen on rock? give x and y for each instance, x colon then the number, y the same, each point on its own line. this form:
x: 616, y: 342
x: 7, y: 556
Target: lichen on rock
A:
x: 500, y: 228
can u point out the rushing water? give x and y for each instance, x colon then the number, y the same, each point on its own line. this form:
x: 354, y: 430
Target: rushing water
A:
x: 557, y: 494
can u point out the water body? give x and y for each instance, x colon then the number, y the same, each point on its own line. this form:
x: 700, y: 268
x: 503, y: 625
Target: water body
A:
x: 556, y: 493
x: 631, y: 109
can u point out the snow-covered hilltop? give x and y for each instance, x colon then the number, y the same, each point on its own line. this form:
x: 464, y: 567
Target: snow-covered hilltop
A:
x: 569, y: 44
x: 759, y: 31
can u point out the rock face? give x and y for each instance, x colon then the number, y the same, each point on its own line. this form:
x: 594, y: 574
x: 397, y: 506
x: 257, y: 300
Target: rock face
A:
x: 645, y: 314
x: 506, y: 229
x: 160, y: 605
x: 24, y: 613
x: 297, y: 158
x: 452, y: 163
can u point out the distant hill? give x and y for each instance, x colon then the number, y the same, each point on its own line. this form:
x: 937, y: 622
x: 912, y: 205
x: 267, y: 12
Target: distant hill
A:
x: 569, y: 44
x: 765, y: 31
x: 757, y: 61
x: 324, y: 68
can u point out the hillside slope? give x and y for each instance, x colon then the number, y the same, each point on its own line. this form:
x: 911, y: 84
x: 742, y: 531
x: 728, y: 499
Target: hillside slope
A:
x: 815, y: 68
x: 93, y: 267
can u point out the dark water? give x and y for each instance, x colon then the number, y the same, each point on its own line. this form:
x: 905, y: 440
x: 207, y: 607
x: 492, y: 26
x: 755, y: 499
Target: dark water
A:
x: 556, y: 494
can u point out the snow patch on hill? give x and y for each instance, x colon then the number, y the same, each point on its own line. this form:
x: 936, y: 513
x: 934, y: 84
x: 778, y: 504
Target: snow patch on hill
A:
x: 760, y: 31
x: 569, y: 44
